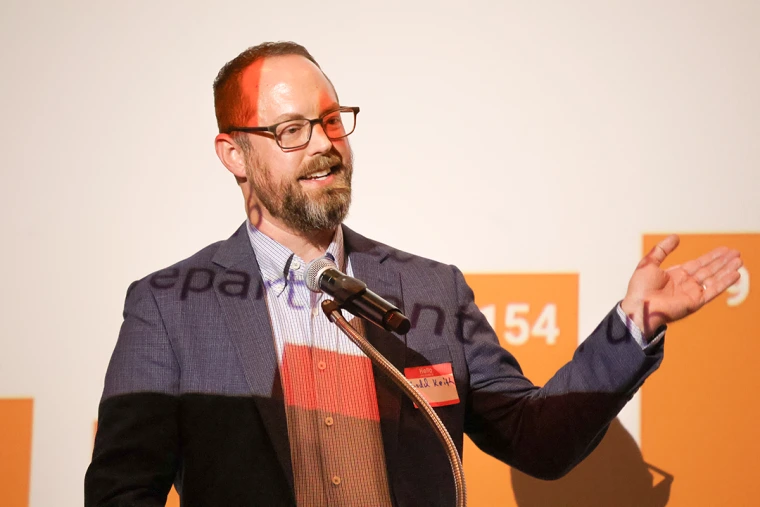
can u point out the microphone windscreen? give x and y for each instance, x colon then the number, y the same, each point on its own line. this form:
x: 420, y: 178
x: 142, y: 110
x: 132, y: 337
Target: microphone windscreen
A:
x: 314, y: 270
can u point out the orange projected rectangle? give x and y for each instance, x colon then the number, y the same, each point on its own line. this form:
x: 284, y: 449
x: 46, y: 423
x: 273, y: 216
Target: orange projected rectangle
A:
x: 536, y: 318
x: 15, y: 451
x: 699, y: 411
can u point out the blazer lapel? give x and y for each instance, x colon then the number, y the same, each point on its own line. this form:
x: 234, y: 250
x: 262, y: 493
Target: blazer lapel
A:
x: 367, y: 262
x: 248, y: 321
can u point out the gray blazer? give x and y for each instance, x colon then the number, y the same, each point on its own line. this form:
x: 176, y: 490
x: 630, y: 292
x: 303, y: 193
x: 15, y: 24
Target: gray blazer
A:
x: 193, y: 397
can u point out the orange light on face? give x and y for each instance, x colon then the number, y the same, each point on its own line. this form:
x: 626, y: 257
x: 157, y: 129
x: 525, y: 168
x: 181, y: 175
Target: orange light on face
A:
x: 250, y: 80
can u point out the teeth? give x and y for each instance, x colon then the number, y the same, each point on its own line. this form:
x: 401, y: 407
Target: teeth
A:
x: 318, y: 174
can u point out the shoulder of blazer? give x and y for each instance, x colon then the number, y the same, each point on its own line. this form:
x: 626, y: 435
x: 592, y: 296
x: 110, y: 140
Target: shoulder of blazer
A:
x: 208, y: 261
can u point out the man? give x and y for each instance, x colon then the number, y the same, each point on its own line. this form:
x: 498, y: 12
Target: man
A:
x: 228, y: 381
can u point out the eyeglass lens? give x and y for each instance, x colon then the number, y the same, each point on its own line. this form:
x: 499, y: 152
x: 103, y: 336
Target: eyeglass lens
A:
x: 296, y: 133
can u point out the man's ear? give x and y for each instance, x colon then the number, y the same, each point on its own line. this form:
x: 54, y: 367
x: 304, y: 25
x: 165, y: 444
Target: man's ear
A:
x: 231, y: 155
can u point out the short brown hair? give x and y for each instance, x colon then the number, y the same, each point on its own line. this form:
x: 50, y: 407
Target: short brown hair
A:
x: 230, y: 104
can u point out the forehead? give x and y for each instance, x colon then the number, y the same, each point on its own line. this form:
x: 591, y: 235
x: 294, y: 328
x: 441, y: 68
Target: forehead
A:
x: 286, y: 85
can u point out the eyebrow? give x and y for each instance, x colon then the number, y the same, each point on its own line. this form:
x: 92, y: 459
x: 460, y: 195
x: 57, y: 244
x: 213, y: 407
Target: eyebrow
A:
x: 288, y: 117
x: 298, y: 116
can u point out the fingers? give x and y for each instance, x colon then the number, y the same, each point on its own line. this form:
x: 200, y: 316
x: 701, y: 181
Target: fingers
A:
x: 722, y: 279
x: 661, y: 250
x: 712, y: 263
x: 694, y: 265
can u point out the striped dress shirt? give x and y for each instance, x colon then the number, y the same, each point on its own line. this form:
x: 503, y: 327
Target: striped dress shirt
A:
x: 333, y: 420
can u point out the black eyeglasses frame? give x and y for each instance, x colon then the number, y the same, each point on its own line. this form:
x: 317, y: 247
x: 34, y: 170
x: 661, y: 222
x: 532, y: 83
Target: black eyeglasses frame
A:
x: 272, y: 129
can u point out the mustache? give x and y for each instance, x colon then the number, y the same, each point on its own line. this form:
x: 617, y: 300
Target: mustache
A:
x: 321, y: 163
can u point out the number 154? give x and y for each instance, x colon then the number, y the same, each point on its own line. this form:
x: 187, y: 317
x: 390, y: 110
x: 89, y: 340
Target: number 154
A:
x: 518, y: 328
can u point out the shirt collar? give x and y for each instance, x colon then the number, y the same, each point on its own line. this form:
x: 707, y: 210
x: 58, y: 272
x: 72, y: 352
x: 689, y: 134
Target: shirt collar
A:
x: 273, y: 258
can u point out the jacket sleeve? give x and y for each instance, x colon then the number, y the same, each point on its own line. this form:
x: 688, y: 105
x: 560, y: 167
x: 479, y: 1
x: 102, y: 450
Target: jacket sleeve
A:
x: 545, y: 431
x: 135, y: 457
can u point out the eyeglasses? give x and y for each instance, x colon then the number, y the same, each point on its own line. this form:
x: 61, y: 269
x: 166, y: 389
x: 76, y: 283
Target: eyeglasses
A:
x: 293, y: 134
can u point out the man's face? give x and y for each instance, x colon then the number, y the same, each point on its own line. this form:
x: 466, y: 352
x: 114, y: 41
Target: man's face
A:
x: 307, y: 189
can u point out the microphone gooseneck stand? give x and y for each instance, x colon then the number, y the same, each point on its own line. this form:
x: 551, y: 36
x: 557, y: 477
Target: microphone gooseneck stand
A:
x: 332, y: 310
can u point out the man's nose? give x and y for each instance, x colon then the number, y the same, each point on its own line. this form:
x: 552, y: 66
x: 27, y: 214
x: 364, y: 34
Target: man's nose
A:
x: 319, y: 143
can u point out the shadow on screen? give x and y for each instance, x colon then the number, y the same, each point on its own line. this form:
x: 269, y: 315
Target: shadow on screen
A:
x: 614, y: 474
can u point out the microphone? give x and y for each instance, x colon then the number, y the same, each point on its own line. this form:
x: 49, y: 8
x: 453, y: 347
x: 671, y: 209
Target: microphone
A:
x: 322, y: 275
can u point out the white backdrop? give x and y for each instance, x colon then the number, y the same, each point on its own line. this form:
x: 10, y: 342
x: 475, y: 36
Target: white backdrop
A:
x: 498, y: 136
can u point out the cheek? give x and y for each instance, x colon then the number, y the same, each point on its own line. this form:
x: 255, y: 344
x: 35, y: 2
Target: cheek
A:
x: 343, y: 148
x: 285, y: 167
x: 282, y: 166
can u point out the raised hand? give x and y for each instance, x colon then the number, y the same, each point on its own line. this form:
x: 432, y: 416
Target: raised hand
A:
x: 656, y: 296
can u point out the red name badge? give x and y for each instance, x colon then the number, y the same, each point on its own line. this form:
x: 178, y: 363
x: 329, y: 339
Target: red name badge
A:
x: 435, y: 383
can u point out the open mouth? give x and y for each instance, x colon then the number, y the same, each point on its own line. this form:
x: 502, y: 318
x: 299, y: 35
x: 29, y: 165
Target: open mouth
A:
x: 321, y: 174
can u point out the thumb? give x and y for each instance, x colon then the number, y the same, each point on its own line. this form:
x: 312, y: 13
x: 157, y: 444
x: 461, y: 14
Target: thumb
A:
x: 660, y: 251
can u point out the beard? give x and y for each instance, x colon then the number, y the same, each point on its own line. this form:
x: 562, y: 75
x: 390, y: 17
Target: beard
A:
x: 306, y: 212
